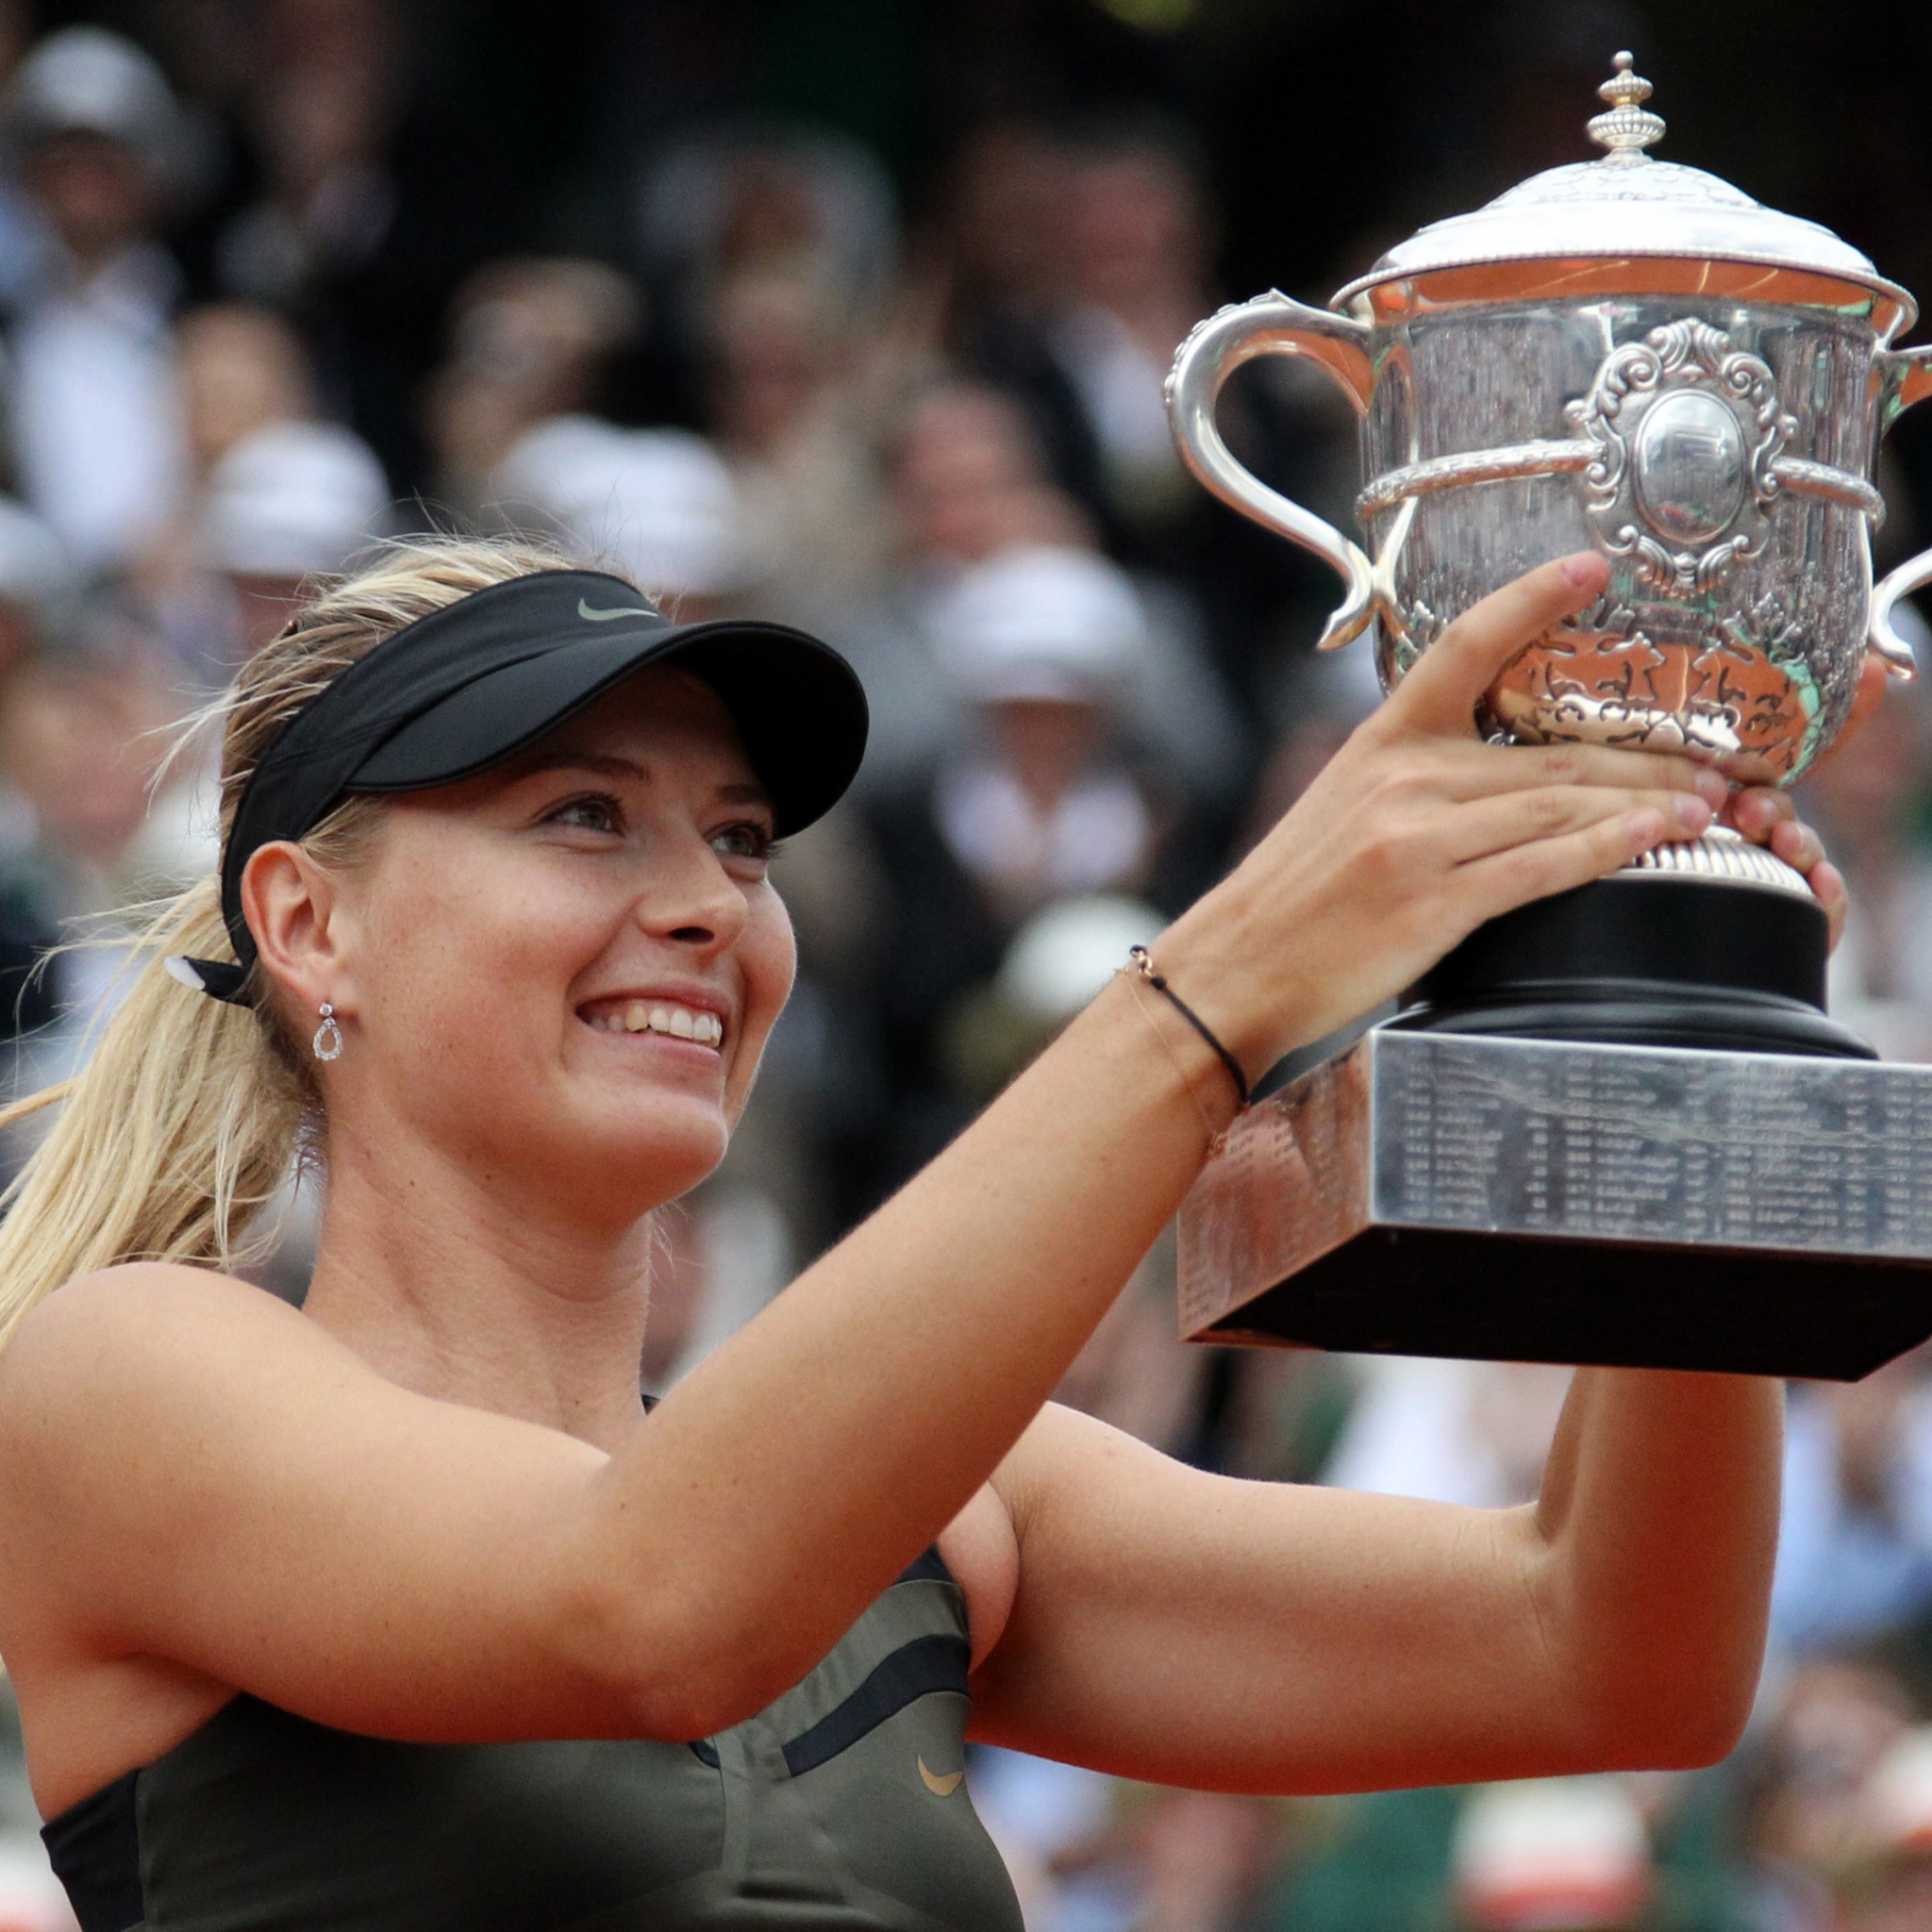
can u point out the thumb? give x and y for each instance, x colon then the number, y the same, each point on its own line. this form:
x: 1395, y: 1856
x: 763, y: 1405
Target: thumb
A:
x: 1440, y: 694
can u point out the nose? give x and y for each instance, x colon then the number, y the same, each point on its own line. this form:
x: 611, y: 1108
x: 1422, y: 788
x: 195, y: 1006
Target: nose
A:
x: 687, y: 895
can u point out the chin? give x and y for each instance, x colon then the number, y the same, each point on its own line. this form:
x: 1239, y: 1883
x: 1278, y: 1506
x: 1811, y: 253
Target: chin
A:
x: 651, y: 1160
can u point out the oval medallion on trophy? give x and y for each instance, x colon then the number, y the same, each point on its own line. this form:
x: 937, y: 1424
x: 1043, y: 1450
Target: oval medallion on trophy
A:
x: 1690, y: 465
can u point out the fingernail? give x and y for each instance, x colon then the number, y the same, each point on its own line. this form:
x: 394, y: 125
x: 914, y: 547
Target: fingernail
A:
x: 1694, y: 813
x: 1711, y: 788
x: 1581, y: 570
x: 1647, y: 826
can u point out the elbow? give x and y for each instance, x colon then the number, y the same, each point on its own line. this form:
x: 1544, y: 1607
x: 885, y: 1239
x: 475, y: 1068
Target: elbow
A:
x: 1704, y: 1733
x: 669, y: 1670
x: 1666, y: 1722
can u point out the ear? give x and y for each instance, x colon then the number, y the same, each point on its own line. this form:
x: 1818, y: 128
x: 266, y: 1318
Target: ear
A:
x: 302, y: 930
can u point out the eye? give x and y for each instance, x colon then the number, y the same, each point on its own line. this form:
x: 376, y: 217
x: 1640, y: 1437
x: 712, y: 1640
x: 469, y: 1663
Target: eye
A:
x: 747, y: 840
x: 594, y: 811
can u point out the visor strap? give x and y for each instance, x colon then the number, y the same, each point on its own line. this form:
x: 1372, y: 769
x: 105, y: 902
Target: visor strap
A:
x: 221, y: 979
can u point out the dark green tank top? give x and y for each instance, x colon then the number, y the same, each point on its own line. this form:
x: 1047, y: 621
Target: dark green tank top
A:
x: 842, y: 1809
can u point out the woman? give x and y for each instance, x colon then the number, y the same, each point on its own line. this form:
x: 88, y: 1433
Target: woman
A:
x: 398, y: 1611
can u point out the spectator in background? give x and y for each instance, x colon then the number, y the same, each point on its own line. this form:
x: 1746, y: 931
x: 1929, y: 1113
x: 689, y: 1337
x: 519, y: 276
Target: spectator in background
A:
x: 286, y: 503
x: 1086, y: 330
x: 1042, y: 801
x: 530, y: 341
x: 785, y: 408
x: 276, y: 497
x: 83, y: 737
x: 659, y: 504
x: 374, y: 204
x: 1855, y: 1556
x: 98, y: 440
x: 1138, y: 237
x: 242, y: 368
x: 1080, y: 321
x: 966, y: 483
x: 735, y: 200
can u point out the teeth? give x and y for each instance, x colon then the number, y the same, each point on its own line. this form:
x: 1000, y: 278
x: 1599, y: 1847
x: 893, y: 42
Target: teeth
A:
x: 678, y: 1023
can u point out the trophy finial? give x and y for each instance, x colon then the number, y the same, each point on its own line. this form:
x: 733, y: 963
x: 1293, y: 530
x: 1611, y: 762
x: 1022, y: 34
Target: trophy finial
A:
x: 1627, y: 129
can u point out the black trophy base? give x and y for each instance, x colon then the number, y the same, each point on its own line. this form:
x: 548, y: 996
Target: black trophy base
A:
x: 1645, y: 960
x: 1491, y: 1296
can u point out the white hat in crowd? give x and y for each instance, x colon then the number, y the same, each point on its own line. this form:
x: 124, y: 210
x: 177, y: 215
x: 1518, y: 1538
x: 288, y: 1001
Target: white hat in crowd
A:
x: 293, y: 498
x: 1549, y: 1853
x: 86, y: 80
x: 1898, y: 1796
x: 1042, y: 621
x: 659, y: 504
x: 1065, y: 954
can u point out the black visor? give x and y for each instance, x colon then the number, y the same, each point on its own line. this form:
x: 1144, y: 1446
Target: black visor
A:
x: 481, y: 679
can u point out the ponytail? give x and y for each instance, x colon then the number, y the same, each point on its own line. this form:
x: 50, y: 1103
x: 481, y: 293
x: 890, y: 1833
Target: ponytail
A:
x: 180, y: 1127
x: 187, y: 1116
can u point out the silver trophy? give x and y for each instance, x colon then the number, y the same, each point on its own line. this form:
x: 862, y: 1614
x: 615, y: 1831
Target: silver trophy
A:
x: 1619, y: 1125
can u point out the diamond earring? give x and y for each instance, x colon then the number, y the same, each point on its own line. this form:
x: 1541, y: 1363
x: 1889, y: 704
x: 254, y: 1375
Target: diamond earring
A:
x: 327, y: 1043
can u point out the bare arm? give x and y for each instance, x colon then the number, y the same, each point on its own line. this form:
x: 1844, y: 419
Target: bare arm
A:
x: 193, y: 1475
x: 1190, y: 1629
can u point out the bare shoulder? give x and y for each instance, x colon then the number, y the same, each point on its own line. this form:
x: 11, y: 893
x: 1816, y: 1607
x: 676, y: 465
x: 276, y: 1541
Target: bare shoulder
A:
x: 143, y: 1335
x: 142, y: 1302
x: 128, y: 1390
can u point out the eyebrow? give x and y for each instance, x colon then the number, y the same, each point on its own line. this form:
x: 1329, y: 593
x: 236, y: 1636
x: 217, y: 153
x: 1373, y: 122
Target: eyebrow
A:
x: 741, y: 792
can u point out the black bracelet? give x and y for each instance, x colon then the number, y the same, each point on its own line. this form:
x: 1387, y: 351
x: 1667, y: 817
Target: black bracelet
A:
x: 1143, y: 964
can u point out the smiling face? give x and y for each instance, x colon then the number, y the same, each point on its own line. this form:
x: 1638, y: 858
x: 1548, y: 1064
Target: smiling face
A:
x: 559, y: 976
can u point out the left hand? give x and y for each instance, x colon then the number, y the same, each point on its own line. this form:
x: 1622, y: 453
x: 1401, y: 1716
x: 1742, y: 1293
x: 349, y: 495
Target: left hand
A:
x: 1769, y: 817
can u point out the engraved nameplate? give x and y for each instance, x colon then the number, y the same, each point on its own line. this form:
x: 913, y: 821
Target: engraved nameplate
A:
x: 1736, y: 1189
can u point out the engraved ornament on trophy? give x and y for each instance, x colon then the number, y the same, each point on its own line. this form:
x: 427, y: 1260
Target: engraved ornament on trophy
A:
x: 1617, y: 1125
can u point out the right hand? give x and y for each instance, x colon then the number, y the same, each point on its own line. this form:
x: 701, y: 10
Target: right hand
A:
x: 1416, y: 832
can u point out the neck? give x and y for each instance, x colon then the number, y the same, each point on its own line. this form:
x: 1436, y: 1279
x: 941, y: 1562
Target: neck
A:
x: 460, y: 1287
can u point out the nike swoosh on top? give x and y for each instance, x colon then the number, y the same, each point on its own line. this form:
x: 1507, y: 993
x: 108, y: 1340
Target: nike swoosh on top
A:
x: 591, y: 616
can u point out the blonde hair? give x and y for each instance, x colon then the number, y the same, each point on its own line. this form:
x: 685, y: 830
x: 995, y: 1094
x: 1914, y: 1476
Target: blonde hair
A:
x: 189, y: 1112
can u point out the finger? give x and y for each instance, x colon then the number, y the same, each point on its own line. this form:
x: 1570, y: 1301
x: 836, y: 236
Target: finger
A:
x: 1506, y: 880
x: 1518, y: 818
x: 1759, y: 810
x: 1442, y: 691
x: 1828, y: 888
x: 1477, y: 771
x: 1797, y: 844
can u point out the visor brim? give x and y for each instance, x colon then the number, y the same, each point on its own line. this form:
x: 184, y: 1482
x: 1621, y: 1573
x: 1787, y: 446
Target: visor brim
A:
x: 799, y: 708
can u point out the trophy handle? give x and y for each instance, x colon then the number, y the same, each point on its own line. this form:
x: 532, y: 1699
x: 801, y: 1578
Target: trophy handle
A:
x: 1907, y: 374
x: 1273, y: 325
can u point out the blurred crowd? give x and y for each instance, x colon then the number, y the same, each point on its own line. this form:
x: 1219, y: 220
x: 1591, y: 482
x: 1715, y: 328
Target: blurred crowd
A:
x: 265, y: 300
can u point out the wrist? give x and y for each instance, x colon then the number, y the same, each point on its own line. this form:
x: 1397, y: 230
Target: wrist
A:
x: 1180, y: 1054
x: 1202, y: 956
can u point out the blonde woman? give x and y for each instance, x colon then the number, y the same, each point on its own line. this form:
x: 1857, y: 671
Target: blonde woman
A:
x: 399, y: 1612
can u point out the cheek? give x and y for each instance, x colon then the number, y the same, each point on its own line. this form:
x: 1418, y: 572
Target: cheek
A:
x: 458, y: 949
x: 767, y: 957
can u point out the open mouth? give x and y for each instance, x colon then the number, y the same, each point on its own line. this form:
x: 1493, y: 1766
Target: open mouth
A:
x: 664, y: 1016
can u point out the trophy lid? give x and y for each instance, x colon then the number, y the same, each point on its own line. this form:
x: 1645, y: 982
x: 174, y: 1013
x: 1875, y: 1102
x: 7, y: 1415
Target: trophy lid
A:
x: 1618, y: 212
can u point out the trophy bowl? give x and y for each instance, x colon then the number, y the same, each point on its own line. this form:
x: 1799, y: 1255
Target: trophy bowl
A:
x: 1635, y: 356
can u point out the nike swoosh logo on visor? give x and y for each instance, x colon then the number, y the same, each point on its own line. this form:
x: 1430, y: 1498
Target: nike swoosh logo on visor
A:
x: 591, y: 616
